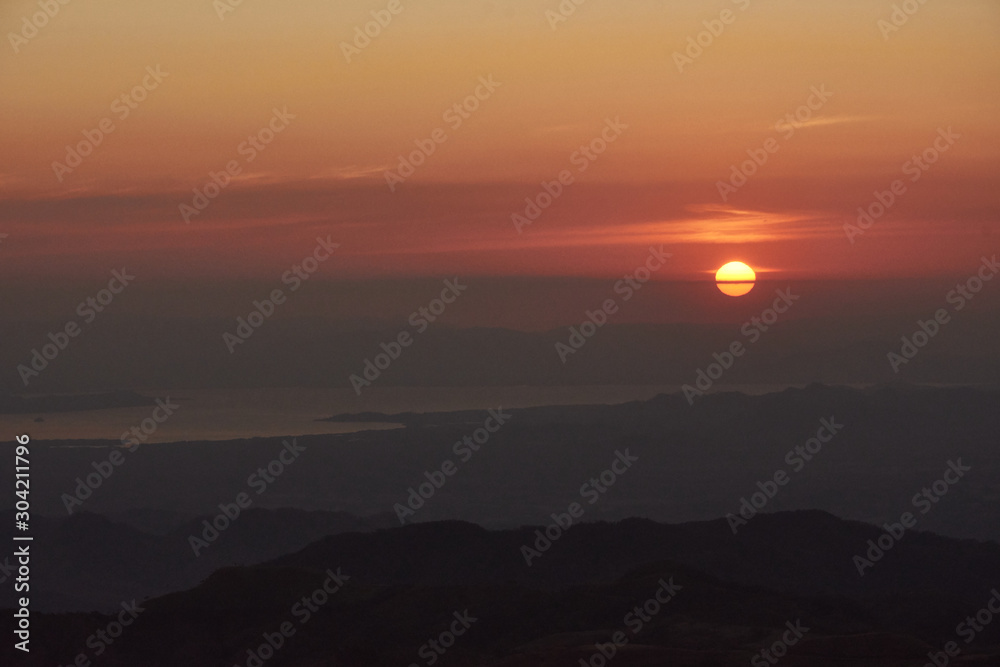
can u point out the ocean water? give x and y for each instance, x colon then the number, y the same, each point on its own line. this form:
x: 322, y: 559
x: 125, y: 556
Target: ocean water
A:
x: 230, y: 414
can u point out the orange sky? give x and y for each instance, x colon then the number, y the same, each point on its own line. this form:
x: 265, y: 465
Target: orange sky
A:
x: 656, y: 183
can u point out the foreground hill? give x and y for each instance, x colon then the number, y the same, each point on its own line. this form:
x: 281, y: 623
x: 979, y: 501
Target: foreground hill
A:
x: 692, y: 594
x: 87, y: 562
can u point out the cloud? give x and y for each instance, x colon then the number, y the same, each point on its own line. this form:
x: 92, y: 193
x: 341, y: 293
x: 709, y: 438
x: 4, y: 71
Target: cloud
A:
x: 709, y: 223
x: 349, y: 172
x: 820, y: 121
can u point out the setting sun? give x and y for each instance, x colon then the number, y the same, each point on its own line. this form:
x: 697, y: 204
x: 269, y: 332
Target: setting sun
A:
x: 735, y: 279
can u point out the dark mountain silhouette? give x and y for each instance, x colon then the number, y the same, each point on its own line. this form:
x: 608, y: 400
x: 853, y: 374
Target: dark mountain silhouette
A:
x: 738, y: 595
x: 88, y: 563
x: 693, y: 464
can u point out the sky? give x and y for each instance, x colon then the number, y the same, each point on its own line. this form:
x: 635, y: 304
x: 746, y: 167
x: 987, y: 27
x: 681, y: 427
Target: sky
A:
x: 664, y: 130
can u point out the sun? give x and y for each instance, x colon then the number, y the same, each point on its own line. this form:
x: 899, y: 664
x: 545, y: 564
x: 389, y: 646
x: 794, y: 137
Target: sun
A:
x: 735, y: 279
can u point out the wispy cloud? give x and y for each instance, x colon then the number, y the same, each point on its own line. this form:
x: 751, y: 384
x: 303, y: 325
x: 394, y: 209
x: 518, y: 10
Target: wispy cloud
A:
x: 837, y: 120
x: 349, y: 172
x: 708, y: 223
